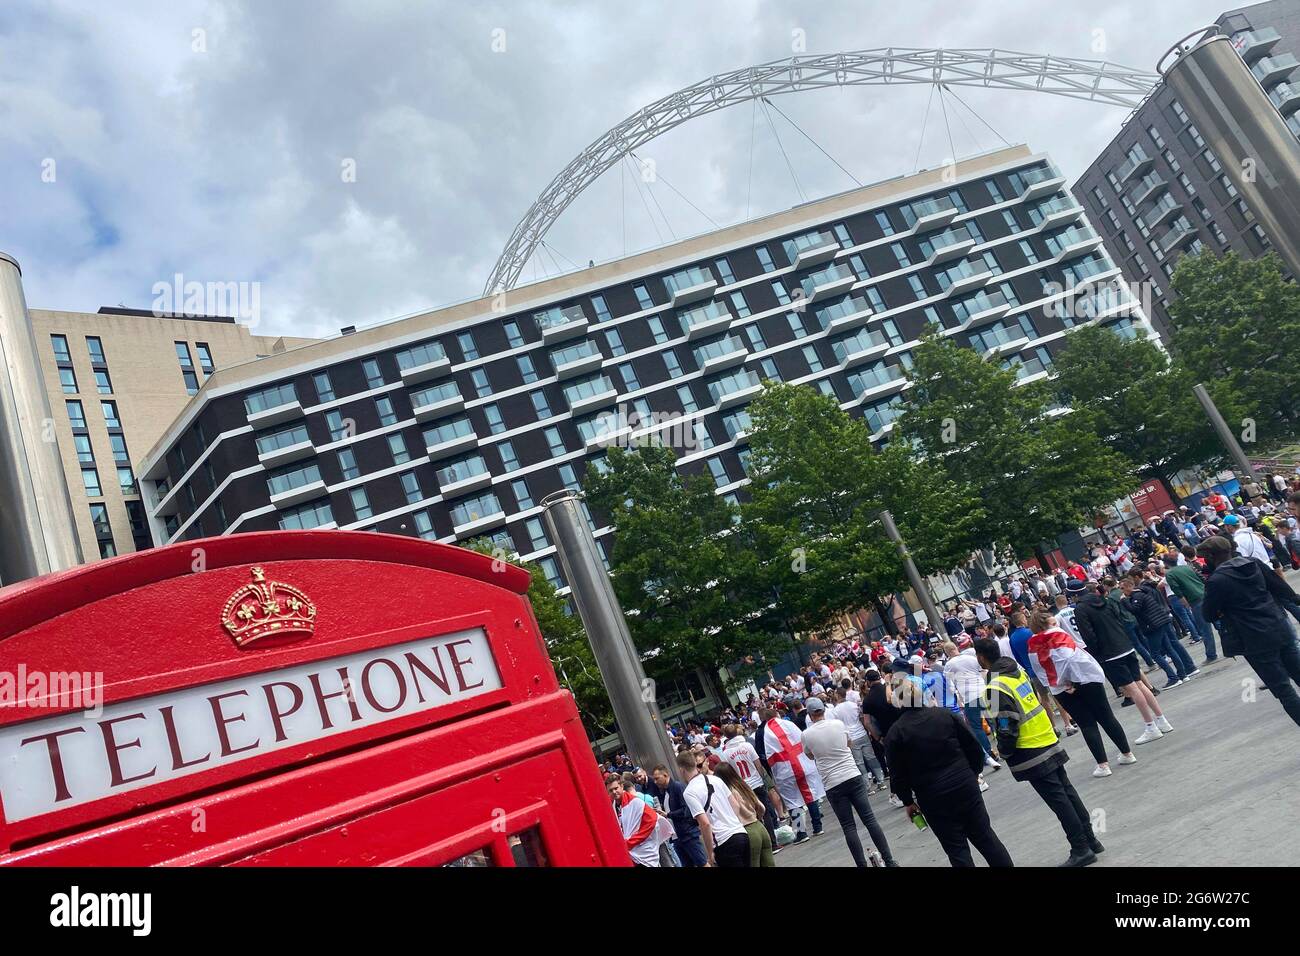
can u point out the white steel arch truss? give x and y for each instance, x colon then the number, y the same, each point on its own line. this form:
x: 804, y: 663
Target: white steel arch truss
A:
x: 1094, y: 80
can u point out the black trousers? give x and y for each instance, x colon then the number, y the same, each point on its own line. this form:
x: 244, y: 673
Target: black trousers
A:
x: 1059, y: 794
x: 959, y: 820
x: 847, y: 797
x: 769, y: 812
x: 879, y: 749
x: 1090, y: 708
x: 733, y: 853
x: 1277, y: 668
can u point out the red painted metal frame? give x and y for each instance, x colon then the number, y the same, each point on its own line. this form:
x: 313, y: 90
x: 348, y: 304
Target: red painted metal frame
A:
x: 150, y: 622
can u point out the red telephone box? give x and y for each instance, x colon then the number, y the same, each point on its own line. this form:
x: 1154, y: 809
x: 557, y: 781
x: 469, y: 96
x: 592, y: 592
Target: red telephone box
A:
x: 306, y: 698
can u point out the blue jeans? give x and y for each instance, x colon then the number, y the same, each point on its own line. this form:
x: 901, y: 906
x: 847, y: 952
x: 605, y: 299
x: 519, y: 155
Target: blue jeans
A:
x: 1164, y: 643
x: 974, y: 714
x: 1179, y: 607
x: 1203, y: 628
x: 1139, y: 644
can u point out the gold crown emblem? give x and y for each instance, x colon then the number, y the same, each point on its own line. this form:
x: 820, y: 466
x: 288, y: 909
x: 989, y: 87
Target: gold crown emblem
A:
x: 266, y: 609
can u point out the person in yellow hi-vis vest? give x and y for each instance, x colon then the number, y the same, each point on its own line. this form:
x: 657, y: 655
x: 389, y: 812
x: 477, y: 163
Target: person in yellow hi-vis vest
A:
x: 1031, y: 751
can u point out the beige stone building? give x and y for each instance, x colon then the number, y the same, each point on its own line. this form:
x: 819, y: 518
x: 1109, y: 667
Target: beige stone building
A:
x: 116, y: 379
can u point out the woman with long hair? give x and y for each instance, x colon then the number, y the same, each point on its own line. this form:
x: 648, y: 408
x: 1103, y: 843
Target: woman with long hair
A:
x: 1065, y: 668
x: 750, y: 810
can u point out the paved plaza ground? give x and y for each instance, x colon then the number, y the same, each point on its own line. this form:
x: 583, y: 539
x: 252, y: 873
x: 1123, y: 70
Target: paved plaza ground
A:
x: 1222, y: 790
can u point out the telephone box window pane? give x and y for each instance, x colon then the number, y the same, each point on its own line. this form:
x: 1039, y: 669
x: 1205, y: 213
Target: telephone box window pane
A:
x: 480, y: 857
x: 527, y: 848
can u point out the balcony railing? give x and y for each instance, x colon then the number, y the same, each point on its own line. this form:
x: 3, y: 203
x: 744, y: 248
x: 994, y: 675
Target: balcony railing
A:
x: 966, y: 275
x: 928, y: 213
x: 810, y: 249
x: 436, y: 400
x: 1270, y: 69
x: 464, y: 475
x: 847, y: 313
x: 879, y: 378
x: 575, y: 359
x: 556, y: 323
x: 590, y: 393
x: 948, y: 244
x: 421, y: 360
x: 980, y: 307
x: 719, y: 354
x: 1039, y: 181
x: 735, y: 387
x: 704, y: 319
x: 858, y: 348
x: 1138, y: 161
x: 690, y: 285
x: 1161, y: 210
x: 1252, y: 44
x: 1179, y: 232
x: 834, y: 278
x: 449, y: 438
x: 1072, y: 240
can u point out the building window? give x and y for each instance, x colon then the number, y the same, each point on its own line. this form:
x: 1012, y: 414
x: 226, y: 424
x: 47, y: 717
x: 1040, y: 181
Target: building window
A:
x: 348, y: 464
x: 60, y: 344
x: 765, y: 259
x: 724, y: 270
x: 85, y: 454
x: 68, y: 379
x: 778, y: 290
x: 118, y: 444
x: 473, y: 509
x: 292, y: 477
x: 467, y: 346
x: 360, y: 503
x: 523, y: 497
x: 126, y: 480
x: 670, y: 362
x: 397, y: 446
x: 657, y: 329
x: 630, y: 382
x: 496, y: 424
x: 205, y: 357
x: 272, y: 397
x: 526, y: 368
x: 643, y: 297
x: 600, y: 308
x: 615, y: 342
x: 813, y: 359
x: 339, y: 427
x: 513, y: 335
x: 555, y: 442
x: 76, y: 413
x: 719, y: 472
x: 308, y: 516
x: 90, y: 481
x: 994, y: 192
x: 424, y: 525
x: 96, y: 349
x: 882, y: 220
x: 384, y: 406
x: 103, y: 530
x: 537, y: 538
x: 900, y: 253
x: 374, y: 377
x: 478, y: 377
x: 324, y: 388
x: 738, y: 304
x: 687, y: 398
x: 411, y: 486
x: 509, y: 460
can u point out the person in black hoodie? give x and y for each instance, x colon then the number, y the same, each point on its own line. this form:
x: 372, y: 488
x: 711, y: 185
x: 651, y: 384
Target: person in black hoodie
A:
x: 1146, y: 602
x: 1248, y: 599
x: 1106, y: 639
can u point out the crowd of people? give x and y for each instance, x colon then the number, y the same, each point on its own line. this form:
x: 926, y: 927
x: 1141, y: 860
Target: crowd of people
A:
x: 927, y: 713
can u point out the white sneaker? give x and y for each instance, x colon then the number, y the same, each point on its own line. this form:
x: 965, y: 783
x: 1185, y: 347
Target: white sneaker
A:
x: 1102, y: 771
x: 1128, y: 758
x: 1194, y: 672
x: 1148, y: 735
x: 984, y: 785
x: 895, y: 802
x: 1163, y: 725
x: 991, y: 765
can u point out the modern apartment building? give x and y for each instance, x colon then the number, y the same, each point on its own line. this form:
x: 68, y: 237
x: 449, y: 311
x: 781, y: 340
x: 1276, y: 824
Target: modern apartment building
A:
x: 1158, y: 190
x: 454, y: 424
x: 116, y: 379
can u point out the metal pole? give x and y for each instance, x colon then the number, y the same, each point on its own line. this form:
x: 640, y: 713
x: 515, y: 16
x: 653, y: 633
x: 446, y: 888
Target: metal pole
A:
x: 1225, y: 433
x: 37, y: 529
x: 913, y: 575
x: 630, y: 693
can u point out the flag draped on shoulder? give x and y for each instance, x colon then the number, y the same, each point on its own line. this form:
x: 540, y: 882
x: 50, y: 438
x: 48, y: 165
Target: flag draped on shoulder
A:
x: 794, y: 774
x: 1058, y: 660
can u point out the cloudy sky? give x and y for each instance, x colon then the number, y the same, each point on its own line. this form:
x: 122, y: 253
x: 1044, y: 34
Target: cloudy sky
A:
x: 219, y: 139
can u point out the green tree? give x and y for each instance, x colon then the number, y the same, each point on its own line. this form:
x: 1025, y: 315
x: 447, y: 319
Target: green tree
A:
x: 678, y: 565
x: 566, y: 640
x: 1039, y: 473
x: 1236, y: 326
x: 817, y: 488
x: 1136, y: 401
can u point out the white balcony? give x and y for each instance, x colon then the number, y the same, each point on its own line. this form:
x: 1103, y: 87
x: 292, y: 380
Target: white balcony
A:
x: 282, y: 456
x: 313, y: 489
x: 850, y: 320
x: 988, y: 307
x: 480, y: 524
x: 1076, y: 243
x: 1133, y: 166
x: 896, y: 383
x: 463, y: 485
x: 969, y: 281
x: 1006, y: 346
x: 452, y: 446
x: 1256, y: 43
x: 705, y: 320
x: 859, y: 350
x: 276, y: 414
x: 952, y: 246
x: 821, y: 250
x: 426, y: 370
x: 572, y: 362
x: 608, y: 395
x: 1179, y: 234
x: 1161, y: 211
x: 933, y: 213
x: 690, y: 285
x: 437, y: 407
x: 560, y: 324
x: 1147, y: 188
x: 827, y: 283
x: 1270, y: 69
x: 1061, y: 215
x: 1039, y: 183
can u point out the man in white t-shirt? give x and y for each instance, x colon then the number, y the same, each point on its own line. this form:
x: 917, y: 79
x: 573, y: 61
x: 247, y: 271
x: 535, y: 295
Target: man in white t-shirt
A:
x: 708, y: 800
x: 827, y: 742
x: 849, y: 713
x: 740, y: 753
